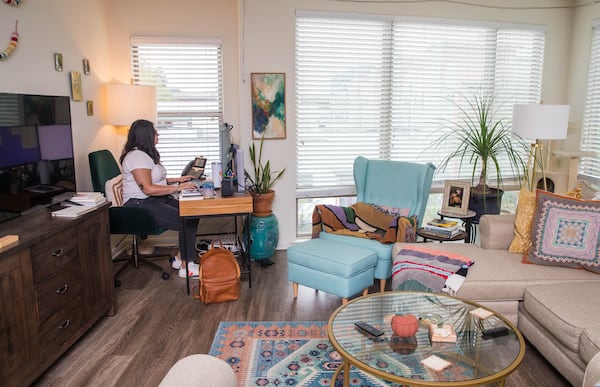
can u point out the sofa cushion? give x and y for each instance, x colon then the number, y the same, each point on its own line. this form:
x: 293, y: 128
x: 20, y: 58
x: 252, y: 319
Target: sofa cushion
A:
x: 564, y: 309
x: 523, y: 218
x: 565, y: 232
x: 590, y: 342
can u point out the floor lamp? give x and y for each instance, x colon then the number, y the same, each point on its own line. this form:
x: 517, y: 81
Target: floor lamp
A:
x: 539, y: 122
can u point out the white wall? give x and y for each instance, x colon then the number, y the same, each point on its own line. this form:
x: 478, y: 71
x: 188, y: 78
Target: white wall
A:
x: 258, y: 36
x: 77, y: 30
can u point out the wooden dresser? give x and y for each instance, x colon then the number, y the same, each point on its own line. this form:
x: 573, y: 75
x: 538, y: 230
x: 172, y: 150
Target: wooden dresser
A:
x: 55, y: 283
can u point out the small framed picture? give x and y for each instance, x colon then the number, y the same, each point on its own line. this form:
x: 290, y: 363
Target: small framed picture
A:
x: 76, y: 92
x: 86, y: 66
x: 456, y: 197
x: 90, y: 108
x: 58, y: 61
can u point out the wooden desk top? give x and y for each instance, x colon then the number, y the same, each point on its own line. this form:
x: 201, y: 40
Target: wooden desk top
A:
x: 198, y: 206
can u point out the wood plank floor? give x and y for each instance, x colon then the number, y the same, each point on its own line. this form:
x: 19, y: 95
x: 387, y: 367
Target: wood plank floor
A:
x: 158, y: 324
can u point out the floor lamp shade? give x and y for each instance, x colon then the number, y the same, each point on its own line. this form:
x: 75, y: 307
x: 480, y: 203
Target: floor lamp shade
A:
x: 544, y: 122
x: 126, y: 103
x: 539, y: 122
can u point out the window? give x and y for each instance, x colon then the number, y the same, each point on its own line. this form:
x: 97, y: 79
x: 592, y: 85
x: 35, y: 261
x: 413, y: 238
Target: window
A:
x: 189, y: 81
x: 384, y: 87
x: 590, y: 134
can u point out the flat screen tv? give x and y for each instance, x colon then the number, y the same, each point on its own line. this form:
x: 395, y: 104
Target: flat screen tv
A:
x: 36, y: 151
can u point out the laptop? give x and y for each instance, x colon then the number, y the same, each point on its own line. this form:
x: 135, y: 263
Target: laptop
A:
x: 197, y: 169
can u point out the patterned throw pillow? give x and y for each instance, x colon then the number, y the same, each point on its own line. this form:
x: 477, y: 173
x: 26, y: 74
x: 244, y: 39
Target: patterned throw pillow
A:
x: 565, y: 232
x: 523, y: 218
x: 114, y: 191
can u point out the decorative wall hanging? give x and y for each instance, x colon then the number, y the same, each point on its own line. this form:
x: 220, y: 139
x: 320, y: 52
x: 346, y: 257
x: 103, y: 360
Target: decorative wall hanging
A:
x: 90, y: 108
x: 76, y: 86
x: 14, y: 40
x: 268, y: 105
x: 58, y: 61
x: 86, y: 66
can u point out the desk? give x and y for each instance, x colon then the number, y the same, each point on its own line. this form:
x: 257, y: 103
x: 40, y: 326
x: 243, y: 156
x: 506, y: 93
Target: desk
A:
x: 197, y: 207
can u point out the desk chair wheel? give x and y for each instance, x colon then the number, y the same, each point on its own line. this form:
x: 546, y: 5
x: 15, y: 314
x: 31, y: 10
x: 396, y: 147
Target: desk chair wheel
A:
x: 165, y: 275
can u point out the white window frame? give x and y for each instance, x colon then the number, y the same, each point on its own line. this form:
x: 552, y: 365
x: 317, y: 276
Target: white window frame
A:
x: 589, y: 167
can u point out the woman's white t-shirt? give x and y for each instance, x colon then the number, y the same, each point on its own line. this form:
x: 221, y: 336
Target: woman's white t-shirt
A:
x: 137, y: 159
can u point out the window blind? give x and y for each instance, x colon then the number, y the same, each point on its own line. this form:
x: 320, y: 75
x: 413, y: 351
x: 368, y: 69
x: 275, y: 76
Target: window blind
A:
x: 189, y: 80
x: 590, y: 133
x: 386, y: 88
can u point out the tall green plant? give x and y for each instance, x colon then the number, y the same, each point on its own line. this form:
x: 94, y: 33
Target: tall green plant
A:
x: 262, y: 179
x: 482, y: 141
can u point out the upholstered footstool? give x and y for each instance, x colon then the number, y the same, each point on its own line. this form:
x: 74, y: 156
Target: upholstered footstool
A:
x: 200, y: 370
x: 331, y: 266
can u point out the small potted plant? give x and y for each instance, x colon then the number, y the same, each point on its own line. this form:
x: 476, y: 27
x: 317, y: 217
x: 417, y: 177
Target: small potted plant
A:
x: 260, y: 180
x: 483, y: 140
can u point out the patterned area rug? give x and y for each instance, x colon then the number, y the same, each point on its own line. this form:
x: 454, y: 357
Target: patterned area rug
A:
x: 281, y: 353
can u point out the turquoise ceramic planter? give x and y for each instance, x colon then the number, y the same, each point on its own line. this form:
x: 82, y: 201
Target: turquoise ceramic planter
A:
x: 264, y: 232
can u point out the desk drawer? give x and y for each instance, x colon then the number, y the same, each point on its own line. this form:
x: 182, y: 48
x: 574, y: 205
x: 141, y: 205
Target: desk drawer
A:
x: 50, y: 255
x: 58, y: 290
x: 60, y: 327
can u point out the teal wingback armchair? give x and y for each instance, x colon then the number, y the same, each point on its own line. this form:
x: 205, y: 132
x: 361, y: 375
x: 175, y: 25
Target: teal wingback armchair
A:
x: 391, y: 183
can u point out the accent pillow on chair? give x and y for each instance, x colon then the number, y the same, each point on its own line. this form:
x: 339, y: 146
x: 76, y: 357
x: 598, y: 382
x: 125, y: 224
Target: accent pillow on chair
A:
x: 114, y: 191
x: 565, y: 232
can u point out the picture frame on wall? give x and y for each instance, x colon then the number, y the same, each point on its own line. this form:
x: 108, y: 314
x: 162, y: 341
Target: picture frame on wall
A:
x: 76, y: 93
x: 268, y: 105
x: 456, y: 197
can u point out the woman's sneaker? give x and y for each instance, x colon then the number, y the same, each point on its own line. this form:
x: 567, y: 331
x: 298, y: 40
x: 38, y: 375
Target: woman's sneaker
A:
x: 175, y: 263
x: 193, y: 269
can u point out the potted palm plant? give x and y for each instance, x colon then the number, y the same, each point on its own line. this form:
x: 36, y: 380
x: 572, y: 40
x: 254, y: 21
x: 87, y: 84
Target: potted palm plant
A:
x: 483, y: 141
x: 260, y: 180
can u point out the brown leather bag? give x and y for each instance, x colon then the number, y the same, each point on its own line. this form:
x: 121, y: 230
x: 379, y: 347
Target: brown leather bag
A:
x: 219, y: 276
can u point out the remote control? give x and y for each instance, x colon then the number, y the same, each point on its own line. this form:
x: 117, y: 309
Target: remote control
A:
x: 494, y: 332
x: 368, y: 328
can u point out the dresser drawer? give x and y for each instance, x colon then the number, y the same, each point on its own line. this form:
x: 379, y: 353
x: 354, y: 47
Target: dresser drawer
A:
x: 52, y: 254
x: 60, y: 327
x: 58, y: 290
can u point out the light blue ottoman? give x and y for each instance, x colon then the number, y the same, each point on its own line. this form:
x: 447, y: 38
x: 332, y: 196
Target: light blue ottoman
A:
x: 331, y: 266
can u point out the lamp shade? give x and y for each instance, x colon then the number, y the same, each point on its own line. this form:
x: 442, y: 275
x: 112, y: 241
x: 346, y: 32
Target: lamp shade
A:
x: 126, y: 103
x: 544, y: 122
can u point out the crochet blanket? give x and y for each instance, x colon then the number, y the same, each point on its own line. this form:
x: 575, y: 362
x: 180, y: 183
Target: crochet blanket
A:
x: 364, y: 221
x: 432, y: 269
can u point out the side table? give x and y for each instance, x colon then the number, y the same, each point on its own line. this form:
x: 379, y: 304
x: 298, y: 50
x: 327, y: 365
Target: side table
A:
x: 437, y: 237
x: 467, y: 220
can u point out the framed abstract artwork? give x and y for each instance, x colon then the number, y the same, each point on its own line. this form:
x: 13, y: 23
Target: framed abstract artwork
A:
x: 456, y: 197
x: 268, y: 105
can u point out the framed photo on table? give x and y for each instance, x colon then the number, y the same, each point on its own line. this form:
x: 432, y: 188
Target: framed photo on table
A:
x: 456, y: 197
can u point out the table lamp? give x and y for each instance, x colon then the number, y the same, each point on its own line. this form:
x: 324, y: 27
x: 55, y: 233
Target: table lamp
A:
x: 539, y: 122
x: 126, y: 103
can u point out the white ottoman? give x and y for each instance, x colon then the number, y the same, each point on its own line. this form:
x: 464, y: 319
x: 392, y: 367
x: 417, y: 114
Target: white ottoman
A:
x: 200, y: 370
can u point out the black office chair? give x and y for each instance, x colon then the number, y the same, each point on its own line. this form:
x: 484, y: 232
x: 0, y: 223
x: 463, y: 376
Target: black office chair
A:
x: 137, y: 222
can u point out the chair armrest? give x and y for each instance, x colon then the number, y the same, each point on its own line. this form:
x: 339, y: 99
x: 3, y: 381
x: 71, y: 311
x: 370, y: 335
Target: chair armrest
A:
x: 496, y: 232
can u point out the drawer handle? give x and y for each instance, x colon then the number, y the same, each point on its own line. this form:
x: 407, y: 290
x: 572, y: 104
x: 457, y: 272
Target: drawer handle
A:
x: 64, y: 325
x: 62, y: 289
x: 58, y: 252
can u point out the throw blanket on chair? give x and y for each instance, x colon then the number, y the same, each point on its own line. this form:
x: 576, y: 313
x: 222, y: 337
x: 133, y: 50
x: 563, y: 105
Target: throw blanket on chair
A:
x: 364, y: 221
x: 418, y: 267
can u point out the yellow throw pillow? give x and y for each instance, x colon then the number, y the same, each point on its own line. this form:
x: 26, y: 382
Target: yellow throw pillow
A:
x: 523, y: 219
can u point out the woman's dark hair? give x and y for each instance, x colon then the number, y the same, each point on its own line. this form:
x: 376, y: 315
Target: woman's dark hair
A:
x: 141, y: 137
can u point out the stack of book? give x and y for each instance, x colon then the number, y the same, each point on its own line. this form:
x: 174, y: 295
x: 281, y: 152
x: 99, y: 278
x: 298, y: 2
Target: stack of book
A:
x: 443, y: 227
x: 88, y: 198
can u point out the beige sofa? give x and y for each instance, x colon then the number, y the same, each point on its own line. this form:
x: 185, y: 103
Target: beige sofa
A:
x: 557, y: 309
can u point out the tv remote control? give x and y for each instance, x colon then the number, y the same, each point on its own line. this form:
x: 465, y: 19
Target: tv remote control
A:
x: 494, y: 332
x: 370, y: 329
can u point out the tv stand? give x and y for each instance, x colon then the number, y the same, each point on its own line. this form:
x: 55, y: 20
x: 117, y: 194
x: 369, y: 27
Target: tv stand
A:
x: 56, y: 282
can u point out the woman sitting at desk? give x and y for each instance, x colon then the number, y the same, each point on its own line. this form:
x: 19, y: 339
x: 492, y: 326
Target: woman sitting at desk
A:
x: 146, y: 185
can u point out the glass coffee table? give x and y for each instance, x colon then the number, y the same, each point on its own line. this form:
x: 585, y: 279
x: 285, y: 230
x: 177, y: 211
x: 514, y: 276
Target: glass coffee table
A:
x: 476, y: 358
